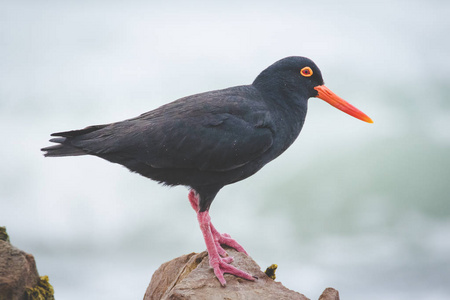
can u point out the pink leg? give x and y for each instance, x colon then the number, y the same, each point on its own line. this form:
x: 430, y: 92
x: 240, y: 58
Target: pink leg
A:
x: 221, y: 239
x: 219, y: 264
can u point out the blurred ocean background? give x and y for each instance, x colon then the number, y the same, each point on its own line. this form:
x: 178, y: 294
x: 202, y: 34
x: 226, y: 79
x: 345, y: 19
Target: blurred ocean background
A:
x: 364, y: 208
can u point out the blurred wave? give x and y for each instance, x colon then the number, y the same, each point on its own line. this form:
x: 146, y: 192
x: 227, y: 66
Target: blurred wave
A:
x: 363, y: 208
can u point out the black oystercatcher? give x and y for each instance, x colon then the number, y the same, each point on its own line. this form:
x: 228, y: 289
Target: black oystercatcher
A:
x: 209, y: 140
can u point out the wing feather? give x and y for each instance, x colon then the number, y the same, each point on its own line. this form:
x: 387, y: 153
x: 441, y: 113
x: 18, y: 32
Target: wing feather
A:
x: 215, y: 131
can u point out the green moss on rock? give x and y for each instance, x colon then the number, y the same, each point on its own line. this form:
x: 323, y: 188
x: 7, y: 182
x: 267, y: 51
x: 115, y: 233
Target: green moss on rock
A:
x: 3, y: 235
x: 42, y: 291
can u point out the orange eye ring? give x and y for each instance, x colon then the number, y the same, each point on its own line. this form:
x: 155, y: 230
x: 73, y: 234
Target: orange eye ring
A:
x: 306, y: 72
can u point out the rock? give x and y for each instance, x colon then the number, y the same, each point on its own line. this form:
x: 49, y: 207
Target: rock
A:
x: 329, y: 294
x: 170, y: 273
x: 190, y: 277
x: 19, y: 278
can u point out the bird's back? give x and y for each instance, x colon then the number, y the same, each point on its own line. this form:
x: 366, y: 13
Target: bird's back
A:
x: 214, y: 137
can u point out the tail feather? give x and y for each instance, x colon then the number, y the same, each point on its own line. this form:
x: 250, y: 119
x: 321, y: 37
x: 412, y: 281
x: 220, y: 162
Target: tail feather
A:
x: 74, y: 133
x: 58, y: 140
x: 62, y: 150
x: 65, y: 147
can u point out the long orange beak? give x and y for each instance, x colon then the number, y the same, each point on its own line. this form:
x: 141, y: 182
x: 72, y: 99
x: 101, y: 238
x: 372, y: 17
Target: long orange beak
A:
x: 327, y: 95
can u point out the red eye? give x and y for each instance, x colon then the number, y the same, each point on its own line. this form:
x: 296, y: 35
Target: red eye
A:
x: 306, y: 71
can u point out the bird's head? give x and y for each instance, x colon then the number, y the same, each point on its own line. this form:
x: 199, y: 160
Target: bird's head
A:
x: 296, y: 75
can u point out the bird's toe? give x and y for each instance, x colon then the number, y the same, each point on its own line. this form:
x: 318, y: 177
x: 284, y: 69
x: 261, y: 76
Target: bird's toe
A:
x: 228, y: 259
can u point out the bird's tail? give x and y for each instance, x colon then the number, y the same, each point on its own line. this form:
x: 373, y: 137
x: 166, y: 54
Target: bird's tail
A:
x: 64, y: 145
x: 62, y: 149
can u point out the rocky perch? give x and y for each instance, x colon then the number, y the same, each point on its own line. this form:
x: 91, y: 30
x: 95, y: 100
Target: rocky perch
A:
x: 189, y: 277
x: 19, y: 278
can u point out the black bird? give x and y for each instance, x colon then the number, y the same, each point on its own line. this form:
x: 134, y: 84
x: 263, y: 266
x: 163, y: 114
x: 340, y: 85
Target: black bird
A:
x: 208, y: 140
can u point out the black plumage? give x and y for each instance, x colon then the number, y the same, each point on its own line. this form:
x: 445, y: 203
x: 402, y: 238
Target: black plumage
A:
x: 208, y: 140
x: 212, y: 139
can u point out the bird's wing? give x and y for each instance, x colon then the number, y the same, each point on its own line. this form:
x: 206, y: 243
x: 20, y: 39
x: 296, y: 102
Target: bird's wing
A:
x: 215, y: 135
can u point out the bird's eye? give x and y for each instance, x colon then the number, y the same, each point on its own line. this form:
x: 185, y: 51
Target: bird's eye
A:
x: 306, y: 71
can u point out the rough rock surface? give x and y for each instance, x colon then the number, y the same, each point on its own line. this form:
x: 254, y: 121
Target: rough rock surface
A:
x: 329, y: 294
x: 19, y: 278
x: 190, y: 277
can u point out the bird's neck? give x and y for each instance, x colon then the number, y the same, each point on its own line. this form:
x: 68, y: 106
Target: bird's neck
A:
x: 283, y: 97
x: 282, y: 92
x: 288, y: 110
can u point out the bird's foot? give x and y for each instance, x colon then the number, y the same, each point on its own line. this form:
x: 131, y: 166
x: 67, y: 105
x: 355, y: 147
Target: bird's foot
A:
x: 221, y: 265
